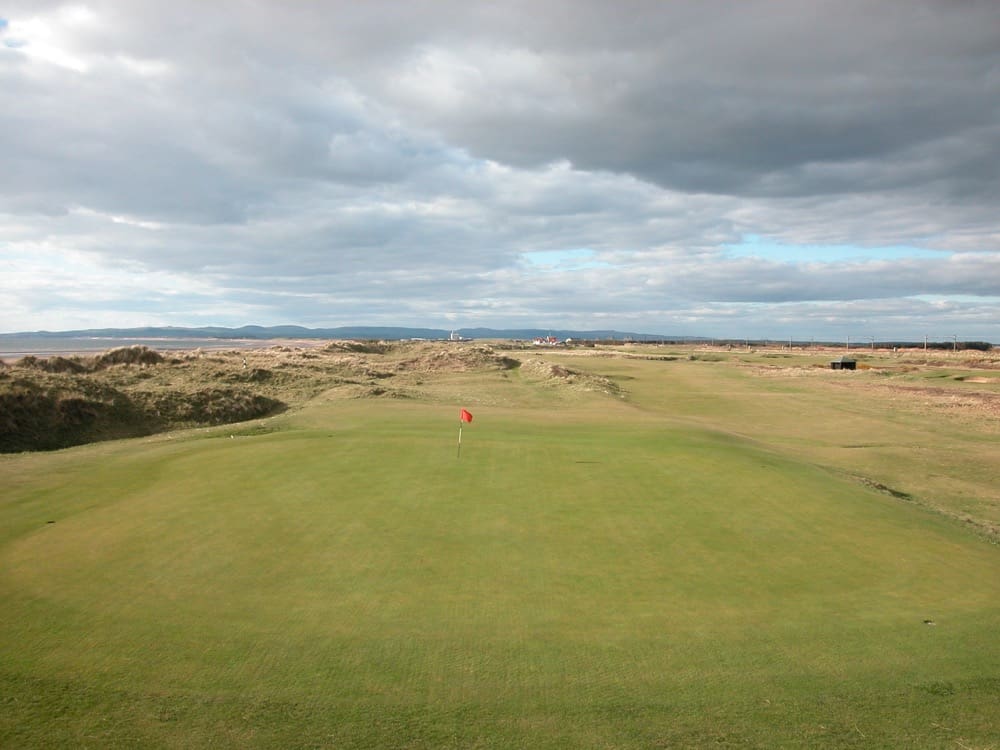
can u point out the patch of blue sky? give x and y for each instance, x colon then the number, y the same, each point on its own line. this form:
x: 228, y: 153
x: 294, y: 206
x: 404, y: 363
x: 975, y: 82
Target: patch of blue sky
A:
x: 14, y: 43
x: 577, y: 259
x: 953, y: 298
x: 754, y: 246
x: 3, y: 24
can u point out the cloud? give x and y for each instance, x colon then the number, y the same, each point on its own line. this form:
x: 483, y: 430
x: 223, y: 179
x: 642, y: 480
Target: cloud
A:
x: 403, y: 163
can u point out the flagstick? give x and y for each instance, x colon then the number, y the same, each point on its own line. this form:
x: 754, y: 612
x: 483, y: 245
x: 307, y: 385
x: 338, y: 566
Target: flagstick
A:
x: 459, y: 441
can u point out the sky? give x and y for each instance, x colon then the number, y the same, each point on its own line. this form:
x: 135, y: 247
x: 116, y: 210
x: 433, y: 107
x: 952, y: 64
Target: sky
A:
x: 816, y: 169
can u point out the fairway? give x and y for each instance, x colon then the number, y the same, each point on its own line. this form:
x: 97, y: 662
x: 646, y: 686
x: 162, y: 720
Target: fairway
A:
x: 594, y: 571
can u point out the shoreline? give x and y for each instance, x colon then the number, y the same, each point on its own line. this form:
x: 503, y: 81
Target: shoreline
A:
x: 92, y: 346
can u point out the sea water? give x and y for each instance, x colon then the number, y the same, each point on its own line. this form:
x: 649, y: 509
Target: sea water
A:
x: 15, y: 347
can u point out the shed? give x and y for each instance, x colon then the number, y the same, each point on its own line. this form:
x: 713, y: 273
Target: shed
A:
x: 844, y: 363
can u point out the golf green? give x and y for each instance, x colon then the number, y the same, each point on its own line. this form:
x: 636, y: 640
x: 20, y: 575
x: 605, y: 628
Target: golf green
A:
x: 341, y: 578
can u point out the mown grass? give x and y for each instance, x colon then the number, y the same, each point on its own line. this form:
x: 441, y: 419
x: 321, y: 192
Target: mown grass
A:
x: 592, y: 572
x: 854, y: 423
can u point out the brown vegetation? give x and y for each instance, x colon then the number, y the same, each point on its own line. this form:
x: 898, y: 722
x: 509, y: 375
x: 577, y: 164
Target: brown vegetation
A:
x: 54, y: 402
x: 49, y: 403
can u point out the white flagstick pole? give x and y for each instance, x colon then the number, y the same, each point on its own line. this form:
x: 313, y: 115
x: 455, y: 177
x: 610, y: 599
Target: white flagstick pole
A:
x: 459, y: 440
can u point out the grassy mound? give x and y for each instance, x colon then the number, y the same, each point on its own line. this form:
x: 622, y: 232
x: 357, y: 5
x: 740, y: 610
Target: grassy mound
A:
x: 56, y: 364
x: 35, y: 417
x: 208, y: 406
x: 125, y: 355
x: 55, y: 402
x: 469, y: 358
x: 559, y: 375
x: 362, y: 347
x: 128, y: 355
x: 52, y: 403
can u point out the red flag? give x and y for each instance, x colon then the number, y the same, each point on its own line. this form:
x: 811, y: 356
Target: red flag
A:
x: 465, y: 416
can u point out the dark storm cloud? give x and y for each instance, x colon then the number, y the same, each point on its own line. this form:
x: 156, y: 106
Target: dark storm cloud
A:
x: 737, y: 98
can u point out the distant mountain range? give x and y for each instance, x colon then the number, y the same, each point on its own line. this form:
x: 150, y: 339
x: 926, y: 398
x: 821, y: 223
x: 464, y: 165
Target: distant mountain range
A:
x: 344, y: 332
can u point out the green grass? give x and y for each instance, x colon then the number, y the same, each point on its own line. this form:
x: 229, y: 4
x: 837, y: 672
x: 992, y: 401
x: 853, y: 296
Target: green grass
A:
x: 596, y: 573
x: 943, y: 459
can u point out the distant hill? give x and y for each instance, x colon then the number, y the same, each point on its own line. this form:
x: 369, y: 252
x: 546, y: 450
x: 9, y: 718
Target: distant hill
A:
x: 344, y: 332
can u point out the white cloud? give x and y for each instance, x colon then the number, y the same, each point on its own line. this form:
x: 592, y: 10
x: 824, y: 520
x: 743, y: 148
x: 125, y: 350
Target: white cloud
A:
x: 379, y: 163
x: 146, y: 68
x: 51, y: 38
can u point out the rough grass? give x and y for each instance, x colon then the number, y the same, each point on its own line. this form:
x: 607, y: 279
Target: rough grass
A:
x: 50, y: 403
x: 680, y: 564
x: 934, y: 446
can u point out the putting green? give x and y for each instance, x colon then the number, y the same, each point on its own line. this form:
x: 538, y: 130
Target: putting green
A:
x: 576, y: 579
